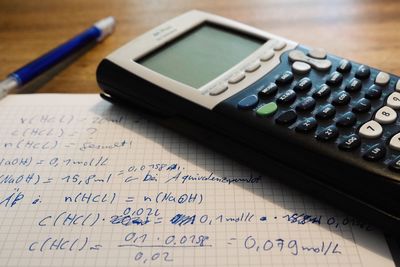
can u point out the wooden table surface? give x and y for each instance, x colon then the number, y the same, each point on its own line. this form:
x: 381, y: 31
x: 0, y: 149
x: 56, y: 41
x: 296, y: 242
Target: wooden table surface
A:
x: 366, y: 31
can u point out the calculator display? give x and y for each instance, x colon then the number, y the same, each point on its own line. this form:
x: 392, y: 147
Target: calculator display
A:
x: 202, y: 54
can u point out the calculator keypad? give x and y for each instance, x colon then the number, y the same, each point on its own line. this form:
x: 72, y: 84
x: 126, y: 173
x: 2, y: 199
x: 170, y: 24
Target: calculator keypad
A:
x: 350, y: 106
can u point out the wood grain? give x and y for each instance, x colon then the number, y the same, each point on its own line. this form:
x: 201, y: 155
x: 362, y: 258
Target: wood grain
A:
x: 366, y: 31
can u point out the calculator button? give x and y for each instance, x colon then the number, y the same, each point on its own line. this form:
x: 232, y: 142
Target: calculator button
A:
x: 267, y: 109
x: 341, y: 99
x: 375, y: 152
x: 382, y: 78
x: 287, y: 117
x: 394, y: 165
x: 395, y: 142
x: 267, y: 55
x: 398, y: 85
x: 350, y: 142
x: 307, y: 104
x: 285, y: 78
x: 286, y: 98
x: 346, y: 120
x: 268, y: 91
x: 393, y: 100
x: 354, y: 85
x: 386, y: 115
x: 237, y: 77
x: 303, y: 85
x: 363, y: 72
x: 253, y: 66
x: 301, y: 67
x: 344, y: 66
x: 219, y: 89
x: 334, y: 79
x: 363, y: 105
x: 318, y: 64
x: 326, y: 112
x: 279, y: 45
x: 327, y: 134
x: 371, y: 129
x: 307, y: 125
x: 322, y: 92
x: 248, y: 102
x: 318, y: 53
x: 374, y: 92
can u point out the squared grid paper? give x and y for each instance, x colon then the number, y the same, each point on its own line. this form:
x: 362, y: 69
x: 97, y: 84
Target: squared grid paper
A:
x: 134, y: 229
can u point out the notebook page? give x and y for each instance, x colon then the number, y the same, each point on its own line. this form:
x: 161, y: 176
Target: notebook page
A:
x: 86, y: 183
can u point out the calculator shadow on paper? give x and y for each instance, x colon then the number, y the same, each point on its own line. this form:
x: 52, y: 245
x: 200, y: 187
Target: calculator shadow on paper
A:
x: 301, y: 210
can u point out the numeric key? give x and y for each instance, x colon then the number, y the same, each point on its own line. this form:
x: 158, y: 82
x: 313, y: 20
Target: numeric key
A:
x: 371, y: 129
x: 393, y: 100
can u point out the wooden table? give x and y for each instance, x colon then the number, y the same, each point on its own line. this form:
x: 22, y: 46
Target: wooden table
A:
x: 365, y: 31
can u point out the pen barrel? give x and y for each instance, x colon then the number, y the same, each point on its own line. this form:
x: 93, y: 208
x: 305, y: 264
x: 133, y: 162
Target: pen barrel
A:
x: 46, y: 61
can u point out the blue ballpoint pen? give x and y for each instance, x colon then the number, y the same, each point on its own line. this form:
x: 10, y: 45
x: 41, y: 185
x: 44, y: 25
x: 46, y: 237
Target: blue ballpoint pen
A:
x: 97, y: 32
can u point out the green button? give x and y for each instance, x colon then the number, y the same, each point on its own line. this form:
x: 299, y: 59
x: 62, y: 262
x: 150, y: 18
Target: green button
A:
x: 267, y: 109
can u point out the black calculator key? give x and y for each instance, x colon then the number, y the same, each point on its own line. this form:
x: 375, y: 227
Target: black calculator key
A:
x: 268, y: 91
x: 374, y: 92
x: 285, y: 78
x: 350, y: 142
x: 363, y: 105
x: 363, y: 72
x: 307, y: 104
x: 394, y: 165
x: 344, y: 66
x: 287, y: 117
x: 328, y: 134
x: 322, y: 92
x: 341, y: 99
x: 303, y: 85
x: 326, y: 112
x: 286, y: 98
x: 375, y: 153
x: 346, y: 120
x: 335, y: 79
x: 248, y: 102
x: 307, y: 125
x: 354, y: 85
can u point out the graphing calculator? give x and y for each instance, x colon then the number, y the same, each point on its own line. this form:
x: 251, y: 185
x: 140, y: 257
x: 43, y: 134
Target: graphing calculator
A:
x: 323, y: 123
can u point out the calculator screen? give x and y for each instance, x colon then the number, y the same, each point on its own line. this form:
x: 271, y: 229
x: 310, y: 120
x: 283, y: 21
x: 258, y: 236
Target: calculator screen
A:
x: 202, y: 54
